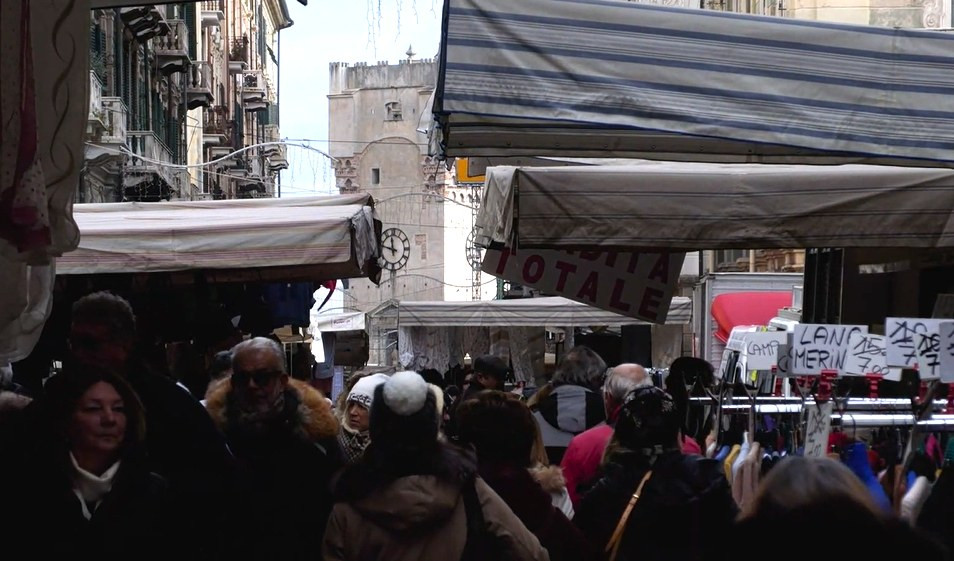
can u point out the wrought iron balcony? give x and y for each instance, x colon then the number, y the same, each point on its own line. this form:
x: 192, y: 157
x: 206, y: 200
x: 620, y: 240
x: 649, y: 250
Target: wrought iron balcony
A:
x: 199, y: 85
x: 217, y: 130
x: 150, y: 157
x: 238, y: 56
x: 172, y: 49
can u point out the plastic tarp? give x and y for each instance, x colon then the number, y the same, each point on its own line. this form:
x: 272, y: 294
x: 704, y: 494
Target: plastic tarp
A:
x: 693, y: 206
x: 607, y: 78
x: 339, y: 233
x: 746, y: 308
x: 524, y: 312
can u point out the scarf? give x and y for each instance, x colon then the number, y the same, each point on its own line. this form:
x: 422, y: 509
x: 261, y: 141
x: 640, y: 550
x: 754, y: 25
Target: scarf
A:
x: 90, y: 489
x: 353, y: 443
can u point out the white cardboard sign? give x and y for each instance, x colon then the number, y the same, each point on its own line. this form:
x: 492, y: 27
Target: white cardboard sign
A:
x: 867, y: 354
x: 638, y: 285
x: 902, y: 334
x: 817, y: 429
x: 761, y: 348
x: 784, y: 366
x: 946, y: 351
x: 817, y: 347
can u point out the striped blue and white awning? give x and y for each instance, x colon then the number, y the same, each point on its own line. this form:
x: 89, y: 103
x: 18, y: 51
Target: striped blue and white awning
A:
x: 618, y: 79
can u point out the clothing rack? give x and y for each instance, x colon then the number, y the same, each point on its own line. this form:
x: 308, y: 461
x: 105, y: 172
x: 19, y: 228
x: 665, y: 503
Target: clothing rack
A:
x: 765, y: 404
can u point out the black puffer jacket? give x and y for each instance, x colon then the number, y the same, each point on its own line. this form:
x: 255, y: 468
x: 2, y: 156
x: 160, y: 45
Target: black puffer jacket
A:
x: 684, y: 512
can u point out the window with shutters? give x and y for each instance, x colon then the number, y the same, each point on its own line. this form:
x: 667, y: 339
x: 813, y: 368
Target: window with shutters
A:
x: 392, y: 111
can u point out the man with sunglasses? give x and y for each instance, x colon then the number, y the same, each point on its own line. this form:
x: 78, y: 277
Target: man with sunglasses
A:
x: 284, y: 435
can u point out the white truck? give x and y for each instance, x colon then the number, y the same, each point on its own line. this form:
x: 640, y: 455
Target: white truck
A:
x: 706, y: 344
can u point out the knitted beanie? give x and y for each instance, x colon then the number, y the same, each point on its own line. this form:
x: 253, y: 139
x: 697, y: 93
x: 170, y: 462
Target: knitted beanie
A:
x: 363, y: 390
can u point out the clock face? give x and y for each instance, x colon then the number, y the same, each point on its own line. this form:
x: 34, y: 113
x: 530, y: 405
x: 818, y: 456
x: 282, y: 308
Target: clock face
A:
x: 395, y: 249
x: 475, y: 253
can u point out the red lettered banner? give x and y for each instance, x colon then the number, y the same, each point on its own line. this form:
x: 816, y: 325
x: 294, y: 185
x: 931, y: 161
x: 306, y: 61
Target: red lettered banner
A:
x: 638, y: 285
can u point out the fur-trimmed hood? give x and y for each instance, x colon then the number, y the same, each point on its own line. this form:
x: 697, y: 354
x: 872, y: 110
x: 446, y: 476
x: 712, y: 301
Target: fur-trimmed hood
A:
x: 550, y: 478
x: 315, y: 419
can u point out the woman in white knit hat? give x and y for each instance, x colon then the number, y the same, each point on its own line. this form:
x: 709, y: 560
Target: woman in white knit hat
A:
x: 354, y: 435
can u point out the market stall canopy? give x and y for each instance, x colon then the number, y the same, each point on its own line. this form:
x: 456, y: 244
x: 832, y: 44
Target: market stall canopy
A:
x: 523, y: 312
x: 323, y: 237
x: 623, y: 79
x: 692, y: 206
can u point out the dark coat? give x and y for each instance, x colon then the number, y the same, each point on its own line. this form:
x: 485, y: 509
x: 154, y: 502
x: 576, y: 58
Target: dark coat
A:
x: 565, y: 412
x: 182, y: 444
x: 187, y: 450
x: 42, y: 518
x: 283, y: 497
x: 534, y: 507
x: 684, y: 512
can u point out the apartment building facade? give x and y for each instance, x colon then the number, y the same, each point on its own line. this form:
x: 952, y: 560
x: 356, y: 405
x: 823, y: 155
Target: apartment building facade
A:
x: 176, y: 86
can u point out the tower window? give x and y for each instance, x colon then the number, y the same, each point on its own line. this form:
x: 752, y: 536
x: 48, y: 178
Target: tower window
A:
x: 393, y: 111
x: 375, y: 176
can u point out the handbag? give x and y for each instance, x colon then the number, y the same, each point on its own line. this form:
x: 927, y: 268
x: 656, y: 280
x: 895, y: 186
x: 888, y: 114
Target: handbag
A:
x: 612, y: 547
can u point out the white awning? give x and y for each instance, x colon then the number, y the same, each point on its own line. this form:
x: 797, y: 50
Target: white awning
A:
x: 524, y: 312
x: 690, y: 206
x: 606, y: 78
x: 335, y: 237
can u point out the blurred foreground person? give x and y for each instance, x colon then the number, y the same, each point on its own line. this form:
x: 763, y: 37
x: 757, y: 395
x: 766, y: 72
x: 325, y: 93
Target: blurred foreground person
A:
x: 818, y: 496
x: 412, y: 497
x: 283, y: 434
x: 89, y: 490
x: 654, y: 503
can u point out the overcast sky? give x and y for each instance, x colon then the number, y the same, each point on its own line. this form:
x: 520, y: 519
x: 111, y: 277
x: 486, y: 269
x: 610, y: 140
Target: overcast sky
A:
x: 349, y: 31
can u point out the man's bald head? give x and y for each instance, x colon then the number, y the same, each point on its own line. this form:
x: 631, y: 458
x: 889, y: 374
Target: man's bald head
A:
x: 620, y: 380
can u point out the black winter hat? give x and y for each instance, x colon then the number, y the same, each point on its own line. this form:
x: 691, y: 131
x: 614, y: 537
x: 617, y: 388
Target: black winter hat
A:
x: 648, y: 422
x: 404, y: 416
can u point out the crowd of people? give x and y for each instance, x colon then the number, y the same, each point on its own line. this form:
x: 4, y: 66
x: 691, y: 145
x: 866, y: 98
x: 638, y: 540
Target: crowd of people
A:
x: 114, y: 461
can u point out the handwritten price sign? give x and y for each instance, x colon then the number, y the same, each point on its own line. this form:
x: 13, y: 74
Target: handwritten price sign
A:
x: 817, y: 429
x: 903, y: 339
x: 946, y: 351
x: 867, y: 354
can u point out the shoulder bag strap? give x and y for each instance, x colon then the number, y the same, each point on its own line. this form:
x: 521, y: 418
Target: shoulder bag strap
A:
x: 476, y: 527
x: 613, y: 546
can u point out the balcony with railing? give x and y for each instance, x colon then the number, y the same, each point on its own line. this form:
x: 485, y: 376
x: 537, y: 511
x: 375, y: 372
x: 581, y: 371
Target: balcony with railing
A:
x: 199, y: 85
x: 254, y: 90
x: 150, y: 159
x: 213, y: 13
x: 238, y: 55
x: 172, y: 49
x: 95, y: 122
x: 145, y: 22
x: 218, y: 129
x: 115, y: 114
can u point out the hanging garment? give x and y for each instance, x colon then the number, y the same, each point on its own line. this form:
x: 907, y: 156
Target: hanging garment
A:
x: 937, y: 513
x: 749, y: 475
x: 730, y: 460
x: 24, y: 220
x: 915, y: 498
x: 855, y: 457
